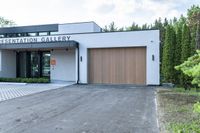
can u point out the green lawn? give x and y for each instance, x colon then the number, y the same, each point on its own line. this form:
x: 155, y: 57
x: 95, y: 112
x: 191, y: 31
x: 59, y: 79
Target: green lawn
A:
x: 175, y: 107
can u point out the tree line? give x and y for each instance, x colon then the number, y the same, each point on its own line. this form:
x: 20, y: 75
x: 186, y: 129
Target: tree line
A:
x: 180, y: 38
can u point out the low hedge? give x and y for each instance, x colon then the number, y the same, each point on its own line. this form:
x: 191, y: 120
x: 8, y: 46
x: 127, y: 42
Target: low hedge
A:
x: 25, y: 80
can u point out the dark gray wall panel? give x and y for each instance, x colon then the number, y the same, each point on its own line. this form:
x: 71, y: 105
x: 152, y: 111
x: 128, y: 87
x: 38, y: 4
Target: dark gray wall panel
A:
x: 49, y: 45
x: 30, y: 29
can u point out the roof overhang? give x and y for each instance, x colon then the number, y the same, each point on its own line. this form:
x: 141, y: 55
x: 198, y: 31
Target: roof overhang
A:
x: 40, y: 45
x: 30, y: 29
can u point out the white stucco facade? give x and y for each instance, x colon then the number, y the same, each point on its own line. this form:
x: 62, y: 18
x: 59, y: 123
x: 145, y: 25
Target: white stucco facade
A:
x: 83, y: 27
x: 89, y: 35
x: 148, y: 39
x: 65, y: 68
x: 7, y: 63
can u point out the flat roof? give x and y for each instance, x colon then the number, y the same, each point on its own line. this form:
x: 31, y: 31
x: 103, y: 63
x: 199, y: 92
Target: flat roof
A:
x: 29, y: 29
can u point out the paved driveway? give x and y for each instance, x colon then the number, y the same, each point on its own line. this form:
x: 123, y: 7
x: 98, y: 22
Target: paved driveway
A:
x: 82, y: 109
x: 10, y: 91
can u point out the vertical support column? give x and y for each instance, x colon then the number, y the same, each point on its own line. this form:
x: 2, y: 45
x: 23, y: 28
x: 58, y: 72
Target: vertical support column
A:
x: 28, y: 64
x: 17, y: 64
x: 40, y: 63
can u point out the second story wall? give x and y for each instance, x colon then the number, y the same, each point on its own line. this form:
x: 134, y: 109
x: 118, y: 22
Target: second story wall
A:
x: 78, y: 28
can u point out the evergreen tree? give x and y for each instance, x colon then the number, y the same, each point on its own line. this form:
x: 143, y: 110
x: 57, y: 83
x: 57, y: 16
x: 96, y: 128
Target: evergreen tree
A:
x: 133, y: 27
x: 177, y: 59
x: 145, y: 27
x: 193, y: 40
x: 185, y: 53
x: 194, y: 24
x: 198, y: 37
x: 166, y: 23
x: 168, y: 64
x: 110, y: 28
x: 186, y: 47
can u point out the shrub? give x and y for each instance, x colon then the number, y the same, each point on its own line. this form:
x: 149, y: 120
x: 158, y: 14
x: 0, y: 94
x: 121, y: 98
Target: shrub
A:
x: 191, y: 68
x: 196, y: 107
x: 25, y: 80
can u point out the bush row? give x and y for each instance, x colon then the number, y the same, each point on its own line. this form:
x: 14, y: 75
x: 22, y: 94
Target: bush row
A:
x: 25, y: 80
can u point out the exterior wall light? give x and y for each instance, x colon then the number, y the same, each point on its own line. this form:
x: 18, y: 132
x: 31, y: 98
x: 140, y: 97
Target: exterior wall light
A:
x: 153, y: 57
x: 81, y: 58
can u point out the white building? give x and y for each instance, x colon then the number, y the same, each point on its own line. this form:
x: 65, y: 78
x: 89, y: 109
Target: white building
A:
x: 80, y: 52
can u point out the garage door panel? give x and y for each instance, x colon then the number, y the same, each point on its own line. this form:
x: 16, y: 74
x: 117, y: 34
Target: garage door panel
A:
x: 106, y: 66
x: 96, y: 57
x: 140, y: 65
x: 130, y: 65
x: 117, y: 65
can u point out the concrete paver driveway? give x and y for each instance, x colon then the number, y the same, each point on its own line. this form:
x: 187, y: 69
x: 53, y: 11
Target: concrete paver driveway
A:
x: 82, y: 109
x: 10, y: 91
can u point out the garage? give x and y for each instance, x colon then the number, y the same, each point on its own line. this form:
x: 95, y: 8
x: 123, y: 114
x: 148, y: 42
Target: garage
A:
x: 117, y: 65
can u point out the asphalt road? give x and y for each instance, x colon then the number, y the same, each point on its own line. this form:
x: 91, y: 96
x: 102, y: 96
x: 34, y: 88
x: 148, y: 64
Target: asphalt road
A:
x: 82, y: 109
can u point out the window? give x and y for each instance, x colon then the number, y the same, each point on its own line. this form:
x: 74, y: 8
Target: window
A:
x: 43, y: 33
x: 32, y: 34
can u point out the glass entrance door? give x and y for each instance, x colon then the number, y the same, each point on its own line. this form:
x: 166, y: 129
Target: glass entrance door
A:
x: 33, y: 64
x: 46, y: 64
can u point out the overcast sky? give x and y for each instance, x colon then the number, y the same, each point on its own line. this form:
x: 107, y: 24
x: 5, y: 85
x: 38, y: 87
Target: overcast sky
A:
x: 122, y: 12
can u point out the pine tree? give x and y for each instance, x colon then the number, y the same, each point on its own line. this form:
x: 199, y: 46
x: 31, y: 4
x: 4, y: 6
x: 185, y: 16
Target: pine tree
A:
x: 168, y: 64
x: 185, y: 53
x: 133, y: 27
x: 193, y: 40
x: 186, y: 47
x: 193, y: 16
x: 177, y: 59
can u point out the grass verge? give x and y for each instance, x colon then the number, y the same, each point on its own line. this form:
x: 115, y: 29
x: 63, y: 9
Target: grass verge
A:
x: 175, y: 110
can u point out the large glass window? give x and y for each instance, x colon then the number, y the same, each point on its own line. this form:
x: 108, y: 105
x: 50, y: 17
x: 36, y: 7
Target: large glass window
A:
x: 46, y: 64
x: 22, y: 64
x: 33, y: 64
x: 43, y: 33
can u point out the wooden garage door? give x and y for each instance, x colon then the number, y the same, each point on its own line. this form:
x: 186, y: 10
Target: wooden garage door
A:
x: 117, y: 65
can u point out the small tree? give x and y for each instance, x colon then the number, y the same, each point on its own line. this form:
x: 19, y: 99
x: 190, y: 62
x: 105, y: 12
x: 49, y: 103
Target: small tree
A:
x: 191, y: 68
x: 5, y: 22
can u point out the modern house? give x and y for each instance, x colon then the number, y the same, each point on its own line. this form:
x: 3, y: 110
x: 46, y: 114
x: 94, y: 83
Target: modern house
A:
x: 80, y: 52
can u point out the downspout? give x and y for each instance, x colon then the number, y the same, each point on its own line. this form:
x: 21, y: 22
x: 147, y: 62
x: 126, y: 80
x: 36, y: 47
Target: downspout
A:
x: 78, y: 65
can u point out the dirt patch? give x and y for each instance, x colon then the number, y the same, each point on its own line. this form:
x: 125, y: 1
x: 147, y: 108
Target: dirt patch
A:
x: 174, y: 107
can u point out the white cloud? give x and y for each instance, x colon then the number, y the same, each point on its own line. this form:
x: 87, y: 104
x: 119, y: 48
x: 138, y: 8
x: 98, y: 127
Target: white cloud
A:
x: 123, y: 12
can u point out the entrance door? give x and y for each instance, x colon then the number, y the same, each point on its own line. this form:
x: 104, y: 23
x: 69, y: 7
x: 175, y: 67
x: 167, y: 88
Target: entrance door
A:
x: 33, y: 64
x: 46, y: 64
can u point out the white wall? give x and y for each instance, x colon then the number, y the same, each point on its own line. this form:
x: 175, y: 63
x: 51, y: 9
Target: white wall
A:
x: 7, y: 63
x: 149, y: 39
x: 64, y: 70
x: 66, y: 66
x: 78, y: 28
